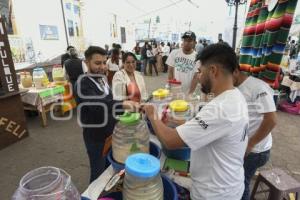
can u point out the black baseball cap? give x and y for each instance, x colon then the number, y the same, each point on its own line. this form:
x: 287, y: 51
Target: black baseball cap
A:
x: 70, y: 47
x: 189, y: 34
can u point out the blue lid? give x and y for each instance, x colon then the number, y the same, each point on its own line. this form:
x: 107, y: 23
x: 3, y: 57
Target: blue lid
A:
x: 142, y: 165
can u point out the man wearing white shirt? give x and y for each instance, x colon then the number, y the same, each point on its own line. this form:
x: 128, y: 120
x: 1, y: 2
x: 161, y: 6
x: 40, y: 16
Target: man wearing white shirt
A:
x: 217, y: 135
x: 262, y: 119
x: 181, y: 63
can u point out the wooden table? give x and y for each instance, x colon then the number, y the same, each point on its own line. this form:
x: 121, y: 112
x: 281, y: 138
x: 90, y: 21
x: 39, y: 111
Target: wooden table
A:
x: 42, y: 100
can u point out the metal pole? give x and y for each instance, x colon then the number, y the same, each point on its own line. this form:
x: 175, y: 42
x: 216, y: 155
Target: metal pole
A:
x: 235, y: 24
x: 65, y: 26
x: 149, y: 28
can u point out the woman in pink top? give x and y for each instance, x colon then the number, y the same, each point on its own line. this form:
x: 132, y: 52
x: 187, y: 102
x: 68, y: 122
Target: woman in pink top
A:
x: 129, y: 83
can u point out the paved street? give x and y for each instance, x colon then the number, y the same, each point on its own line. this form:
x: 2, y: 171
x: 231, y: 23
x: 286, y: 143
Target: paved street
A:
x: 61, y: 145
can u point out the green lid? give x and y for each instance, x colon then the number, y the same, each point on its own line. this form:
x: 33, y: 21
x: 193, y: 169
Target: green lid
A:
x: 130, y: 118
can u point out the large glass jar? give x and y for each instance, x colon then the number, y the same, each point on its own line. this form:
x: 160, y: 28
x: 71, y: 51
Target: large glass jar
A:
x: 38, y: 77
x: 45, y: 78
x: 46, y: 183
x: 175, y: 89
x: 161, y: 98
x: 26, y: 79
x: 131, y: 135
x: 142, y: 178
x: 178, y: 110
x: 58, y: 74
x: 161, y: 95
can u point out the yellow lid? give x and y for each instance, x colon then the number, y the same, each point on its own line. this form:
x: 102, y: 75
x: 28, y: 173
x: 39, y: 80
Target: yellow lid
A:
x: 161, y: 93
x: 179, y: 106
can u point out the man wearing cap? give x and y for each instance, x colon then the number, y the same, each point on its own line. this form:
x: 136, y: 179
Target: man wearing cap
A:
x: 181, y: 63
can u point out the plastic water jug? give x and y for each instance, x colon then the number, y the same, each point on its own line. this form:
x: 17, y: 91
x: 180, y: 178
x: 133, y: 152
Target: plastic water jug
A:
x: 142, y: 178
x: 131, y: 135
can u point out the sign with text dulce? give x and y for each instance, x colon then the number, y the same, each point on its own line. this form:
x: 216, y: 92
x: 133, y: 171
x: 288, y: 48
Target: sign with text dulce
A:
x: 7, y: 70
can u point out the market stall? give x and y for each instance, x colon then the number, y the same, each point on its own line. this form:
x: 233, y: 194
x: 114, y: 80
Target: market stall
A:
x: 44, y: 96
x: 291, y: 85
x: 42, y: 100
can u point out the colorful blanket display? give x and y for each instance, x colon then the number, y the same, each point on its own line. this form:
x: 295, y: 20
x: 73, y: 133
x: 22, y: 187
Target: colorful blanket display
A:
x: 264, y: 39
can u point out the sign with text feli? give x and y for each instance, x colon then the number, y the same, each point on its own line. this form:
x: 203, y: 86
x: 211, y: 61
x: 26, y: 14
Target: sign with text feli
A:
x: 7, y: 70
x: 12, y: 121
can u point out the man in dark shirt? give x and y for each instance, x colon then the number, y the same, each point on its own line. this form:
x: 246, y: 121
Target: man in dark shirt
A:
x: 66, y: 55
x: 97, y: 109
x: 73, y: 67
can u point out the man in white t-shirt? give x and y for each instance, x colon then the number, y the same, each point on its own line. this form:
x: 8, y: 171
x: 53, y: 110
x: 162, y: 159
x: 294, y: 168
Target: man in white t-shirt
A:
x: 217, y: 135
x: 262, y: 119
x: 181, y: 63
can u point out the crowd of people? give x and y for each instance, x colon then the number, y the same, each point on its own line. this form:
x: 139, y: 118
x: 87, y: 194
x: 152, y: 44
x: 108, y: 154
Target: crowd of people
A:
x: 154, y: 56
x: 223, y: 159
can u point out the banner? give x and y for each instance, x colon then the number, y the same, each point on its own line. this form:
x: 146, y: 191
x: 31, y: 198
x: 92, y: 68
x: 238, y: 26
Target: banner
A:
x: 264, y: 38
x: 123, y: 35
x: 7, y: 69
x: 49, y: 32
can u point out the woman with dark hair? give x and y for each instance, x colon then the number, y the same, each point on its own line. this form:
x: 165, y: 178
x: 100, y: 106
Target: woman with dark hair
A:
x: 157, y: 51
x: 152, y: 60
x: 129, y: 84
x: 114, y: 64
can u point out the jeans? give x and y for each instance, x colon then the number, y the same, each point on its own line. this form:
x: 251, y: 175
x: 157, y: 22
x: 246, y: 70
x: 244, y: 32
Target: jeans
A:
x: 145, y: 63
x: 164, y: 59
x: 153, y: 65
x: 251, y: 163
x: 97, y: 161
